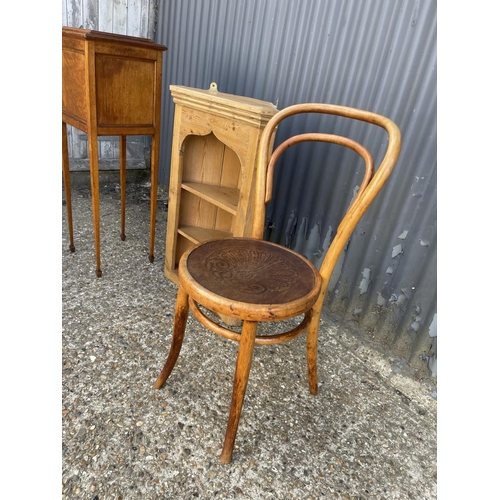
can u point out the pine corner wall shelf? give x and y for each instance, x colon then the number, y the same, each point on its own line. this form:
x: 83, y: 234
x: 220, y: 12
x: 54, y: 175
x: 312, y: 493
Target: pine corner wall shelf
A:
x: 214, y: 147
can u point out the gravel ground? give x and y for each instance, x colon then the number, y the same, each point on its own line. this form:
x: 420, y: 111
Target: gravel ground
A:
x: 369, y: 433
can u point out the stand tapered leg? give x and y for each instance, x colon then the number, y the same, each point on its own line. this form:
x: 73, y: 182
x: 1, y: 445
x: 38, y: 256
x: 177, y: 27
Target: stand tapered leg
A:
x: 67, y: 185
x: 181, y: 314
x: 155, y: 158
x: 243, y: 363
x: 123, y: 182
x: 94, y: 185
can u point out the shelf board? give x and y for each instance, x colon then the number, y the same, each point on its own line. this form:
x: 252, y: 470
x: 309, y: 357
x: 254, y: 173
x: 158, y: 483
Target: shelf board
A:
x: 223, y: 197
x: 199, y: 234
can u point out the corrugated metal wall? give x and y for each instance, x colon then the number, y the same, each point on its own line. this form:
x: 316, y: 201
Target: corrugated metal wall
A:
x: 378, y: 55
x: 124, y: 17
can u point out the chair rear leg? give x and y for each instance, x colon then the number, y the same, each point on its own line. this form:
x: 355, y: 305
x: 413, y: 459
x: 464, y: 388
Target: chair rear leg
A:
x: 243, y: 363
x: 181, y: 314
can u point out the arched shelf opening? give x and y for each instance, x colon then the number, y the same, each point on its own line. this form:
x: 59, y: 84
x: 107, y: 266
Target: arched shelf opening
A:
x: 210, y: 190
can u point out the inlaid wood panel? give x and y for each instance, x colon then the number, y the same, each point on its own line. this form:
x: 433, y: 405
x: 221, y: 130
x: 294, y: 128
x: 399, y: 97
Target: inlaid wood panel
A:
x: 74, y: 96
x: 118, y: 101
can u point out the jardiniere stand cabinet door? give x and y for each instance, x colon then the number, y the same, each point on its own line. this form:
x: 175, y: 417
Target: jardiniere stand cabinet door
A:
x: 214, y: 148
x: 111, y: 85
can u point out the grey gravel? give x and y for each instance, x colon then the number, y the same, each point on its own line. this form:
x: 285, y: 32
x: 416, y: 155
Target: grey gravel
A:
x: 369, y: 433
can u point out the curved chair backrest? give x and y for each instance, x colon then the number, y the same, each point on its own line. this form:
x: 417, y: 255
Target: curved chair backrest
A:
x: 370, y: 186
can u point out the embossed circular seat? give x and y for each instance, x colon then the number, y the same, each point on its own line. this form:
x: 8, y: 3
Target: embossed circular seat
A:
x: 251, y: 280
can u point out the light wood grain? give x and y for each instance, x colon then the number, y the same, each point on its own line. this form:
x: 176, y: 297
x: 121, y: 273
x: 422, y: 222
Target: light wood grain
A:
x: 198, y: 234
x: 223, y: 197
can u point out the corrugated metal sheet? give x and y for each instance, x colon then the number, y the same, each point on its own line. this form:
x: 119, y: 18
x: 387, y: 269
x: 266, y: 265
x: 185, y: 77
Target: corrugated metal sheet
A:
x: 378, y: 55
x: 123, y: 17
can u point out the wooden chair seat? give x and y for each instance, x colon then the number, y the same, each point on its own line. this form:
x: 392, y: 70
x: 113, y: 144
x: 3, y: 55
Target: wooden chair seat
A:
x: 249, y: 279
x: 254, y: 280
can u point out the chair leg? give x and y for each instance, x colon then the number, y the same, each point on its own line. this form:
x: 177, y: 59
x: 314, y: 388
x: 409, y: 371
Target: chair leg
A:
x: 181, y: 314
x: 243, y: 363
x: 312, y: 349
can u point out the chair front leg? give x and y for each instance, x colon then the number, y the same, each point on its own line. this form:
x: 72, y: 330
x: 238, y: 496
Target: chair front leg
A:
x: 243, y: 363
x: 312, y: 348
x: 181, y: 314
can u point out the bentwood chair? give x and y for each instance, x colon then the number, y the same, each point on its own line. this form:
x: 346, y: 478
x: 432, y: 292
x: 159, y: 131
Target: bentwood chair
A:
x: 253, y: 280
